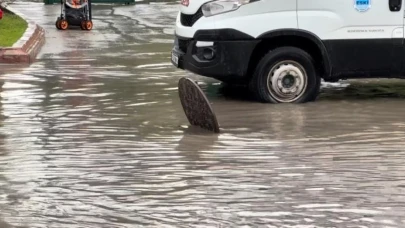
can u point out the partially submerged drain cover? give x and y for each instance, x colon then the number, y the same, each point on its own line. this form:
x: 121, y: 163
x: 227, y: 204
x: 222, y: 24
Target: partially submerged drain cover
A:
x: 196, y: 106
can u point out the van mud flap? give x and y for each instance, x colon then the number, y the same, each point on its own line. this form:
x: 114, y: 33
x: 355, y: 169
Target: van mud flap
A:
x: 196, y: 106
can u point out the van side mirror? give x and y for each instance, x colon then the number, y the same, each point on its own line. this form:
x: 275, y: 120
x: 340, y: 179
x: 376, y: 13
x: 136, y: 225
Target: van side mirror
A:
x: 395, y: 5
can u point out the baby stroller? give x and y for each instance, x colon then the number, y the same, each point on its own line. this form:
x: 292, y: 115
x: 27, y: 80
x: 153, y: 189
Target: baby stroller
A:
x: 75, y: 13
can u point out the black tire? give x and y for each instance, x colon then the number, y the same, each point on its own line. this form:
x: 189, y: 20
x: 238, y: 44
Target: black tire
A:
x: 82, y: 25
x: 259, y: 82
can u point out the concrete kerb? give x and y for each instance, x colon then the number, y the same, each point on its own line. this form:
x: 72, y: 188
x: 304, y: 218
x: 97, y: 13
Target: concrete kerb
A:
x: 26, y: 49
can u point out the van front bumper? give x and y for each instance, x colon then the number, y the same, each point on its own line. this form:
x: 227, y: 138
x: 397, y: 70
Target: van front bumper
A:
x: 225, y: 60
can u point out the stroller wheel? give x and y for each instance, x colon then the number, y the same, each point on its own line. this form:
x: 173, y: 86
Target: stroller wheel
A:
x: 89, y: 25
x: 83, y: 25
x: 57, y: 23
x: 64, y: 24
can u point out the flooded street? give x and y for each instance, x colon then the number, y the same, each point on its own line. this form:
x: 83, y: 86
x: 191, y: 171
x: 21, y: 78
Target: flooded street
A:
x: 93, y: 135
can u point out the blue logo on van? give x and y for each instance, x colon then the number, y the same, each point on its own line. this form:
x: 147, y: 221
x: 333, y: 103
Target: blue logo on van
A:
x: 362, y: 5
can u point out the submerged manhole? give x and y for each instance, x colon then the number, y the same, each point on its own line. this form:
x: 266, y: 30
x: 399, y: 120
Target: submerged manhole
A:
x: 196, y: 105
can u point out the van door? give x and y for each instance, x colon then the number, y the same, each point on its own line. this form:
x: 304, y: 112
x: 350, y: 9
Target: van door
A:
x: 361, y: 36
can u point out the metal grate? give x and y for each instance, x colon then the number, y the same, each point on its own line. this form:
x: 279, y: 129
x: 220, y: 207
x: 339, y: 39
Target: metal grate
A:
x: 189, y: 20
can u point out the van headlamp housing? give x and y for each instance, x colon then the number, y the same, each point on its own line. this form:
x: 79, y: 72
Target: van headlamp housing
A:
x: 222, y: 6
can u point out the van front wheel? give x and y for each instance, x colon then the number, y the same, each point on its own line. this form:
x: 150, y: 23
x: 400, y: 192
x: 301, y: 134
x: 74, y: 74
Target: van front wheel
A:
x: 286, y: 75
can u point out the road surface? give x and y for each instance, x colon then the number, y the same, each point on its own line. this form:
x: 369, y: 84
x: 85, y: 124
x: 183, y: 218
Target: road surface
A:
x: 93, y: 135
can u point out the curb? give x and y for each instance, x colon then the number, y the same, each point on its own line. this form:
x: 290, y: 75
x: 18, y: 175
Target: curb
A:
x: 26, y: 49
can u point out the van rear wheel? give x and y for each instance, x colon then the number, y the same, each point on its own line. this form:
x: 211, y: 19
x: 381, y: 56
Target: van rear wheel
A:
x: 285, y: 75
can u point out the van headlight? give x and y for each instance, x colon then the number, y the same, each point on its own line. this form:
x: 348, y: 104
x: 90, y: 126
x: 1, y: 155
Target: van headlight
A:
x: 222, y: 6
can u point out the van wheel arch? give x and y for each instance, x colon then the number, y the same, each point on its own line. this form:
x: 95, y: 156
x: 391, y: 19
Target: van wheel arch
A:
x: 302, y: 39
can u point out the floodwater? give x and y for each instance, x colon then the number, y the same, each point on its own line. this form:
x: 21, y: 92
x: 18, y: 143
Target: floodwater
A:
x: 93, y: 135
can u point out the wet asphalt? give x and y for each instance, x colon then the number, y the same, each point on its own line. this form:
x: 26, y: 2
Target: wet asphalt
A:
x: 93, y: 135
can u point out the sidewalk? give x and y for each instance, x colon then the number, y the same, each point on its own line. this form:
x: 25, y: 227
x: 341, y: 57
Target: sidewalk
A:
x: 25, y: 50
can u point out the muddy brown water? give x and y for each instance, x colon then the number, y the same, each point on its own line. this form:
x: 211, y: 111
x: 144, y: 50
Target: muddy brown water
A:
x: 93, y: 135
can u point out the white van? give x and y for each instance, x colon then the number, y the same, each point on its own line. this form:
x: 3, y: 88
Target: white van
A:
x: 282, y: 48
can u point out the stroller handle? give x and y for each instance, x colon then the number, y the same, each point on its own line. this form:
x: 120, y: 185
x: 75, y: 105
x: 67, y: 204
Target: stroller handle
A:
x: 77, y: 6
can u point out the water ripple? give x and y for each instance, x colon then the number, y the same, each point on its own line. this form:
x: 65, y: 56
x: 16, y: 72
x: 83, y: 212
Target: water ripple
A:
x: 91, y: 141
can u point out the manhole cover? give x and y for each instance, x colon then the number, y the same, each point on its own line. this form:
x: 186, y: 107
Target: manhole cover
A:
x: 196, y: 106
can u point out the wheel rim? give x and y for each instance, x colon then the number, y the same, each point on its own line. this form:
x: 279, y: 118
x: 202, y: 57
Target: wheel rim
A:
x: 287, y: 81
x: 63, y: 24
x: 89, y: 25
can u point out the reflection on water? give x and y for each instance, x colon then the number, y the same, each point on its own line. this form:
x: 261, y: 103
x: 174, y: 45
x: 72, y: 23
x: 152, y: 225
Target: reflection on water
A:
x: 93, y: 135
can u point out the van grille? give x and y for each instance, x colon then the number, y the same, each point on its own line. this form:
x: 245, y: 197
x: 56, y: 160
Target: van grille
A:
x: 189, y: 20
